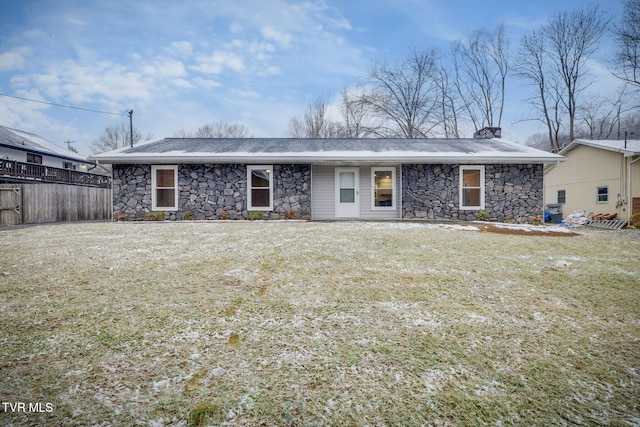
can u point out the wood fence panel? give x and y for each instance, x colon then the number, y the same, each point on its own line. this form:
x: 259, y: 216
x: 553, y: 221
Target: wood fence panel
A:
x: 635, y: 207
x: 10, y: 205
x: 61, y: 202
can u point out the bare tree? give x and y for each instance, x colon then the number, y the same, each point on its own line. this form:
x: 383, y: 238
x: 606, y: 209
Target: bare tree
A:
x: 405, y: 95
x: 554, y: 58
x: 222, y: 129
x: 359, y: 121
x: 627, y: 33
x: 116, y: 136
x: 573, y: 38
x: 449, y: 102
x: 532, y: 65
x: 603, y: 118
x: 216, y: 129
x: 481, y: 66
x: 315, y: 123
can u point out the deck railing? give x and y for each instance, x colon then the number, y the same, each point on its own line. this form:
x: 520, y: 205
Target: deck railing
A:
x: 42, y: 173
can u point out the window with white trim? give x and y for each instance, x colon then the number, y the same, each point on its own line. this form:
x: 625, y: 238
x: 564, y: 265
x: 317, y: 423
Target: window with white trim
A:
x: 260, y: 187
x: 602, y: 194
x: 164, y: 188
x: 562, y: 197
x: 383, y: 188
x: 471, y: 187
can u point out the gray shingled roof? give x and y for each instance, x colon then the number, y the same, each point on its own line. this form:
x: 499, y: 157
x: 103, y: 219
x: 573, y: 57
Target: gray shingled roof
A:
x: 26, y: 141
x: 280, y: 150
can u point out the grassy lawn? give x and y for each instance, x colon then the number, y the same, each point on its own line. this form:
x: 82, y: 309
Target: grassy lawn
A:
x: 294, y: 323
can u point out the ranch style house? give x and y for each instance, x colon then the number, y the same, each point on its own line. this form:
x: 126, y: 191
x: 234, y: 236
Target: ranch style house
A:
x: 334, y: 178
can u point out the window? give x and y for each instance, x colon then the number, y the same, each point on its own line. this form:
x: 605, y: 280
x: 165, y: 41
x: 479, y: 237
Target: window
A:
x: 34, y: 158
x: 382, y: 184
x: 471, y: 187
x: 69, y: 165
x: 164, y: 188
x: 562, y: 196
x: 602, y: 195
x: 260, y: 188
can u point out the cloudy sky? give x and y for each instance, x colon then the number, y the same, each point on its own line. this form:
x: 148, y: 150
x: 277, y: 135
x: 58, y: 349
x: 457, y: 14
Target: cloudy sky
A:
x: 181, y: 64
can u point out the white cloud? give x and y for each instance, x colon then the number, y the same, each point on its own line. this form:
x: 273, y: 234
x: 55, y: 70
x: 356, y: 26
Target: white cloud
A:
x: 280, y: 37
x: 180, y: 48
x: 205, y: 83
x: 218, y: 61
x: 245, y: 93
x: 14, y: 60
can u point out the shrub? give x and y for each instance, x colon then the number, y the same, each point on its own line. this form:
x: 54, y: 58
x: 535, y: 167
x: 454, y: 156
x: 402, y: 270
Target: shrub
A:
x: 635, y: 221
x: 289, y: 214
x: 482, y: 215
x: 225, y: 215
x: 121, y: 217
x: 256, y: 215
x: 188, y: 215
x: 154, y: 216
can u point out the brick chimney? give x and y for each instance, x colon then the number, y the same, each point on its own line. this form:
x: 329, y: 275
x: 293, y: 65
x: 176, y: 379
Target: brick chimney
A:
x: 488, y: 133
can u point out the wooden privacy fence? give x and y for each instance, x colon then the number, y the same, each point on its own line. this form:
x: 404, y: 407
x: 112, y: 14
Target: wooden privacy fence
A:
x: 37, y: 203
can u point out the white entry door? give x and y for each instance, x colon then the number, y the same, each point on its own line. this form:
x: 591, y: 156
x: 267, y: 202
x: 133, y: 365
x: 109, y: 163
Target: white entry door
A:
x: 347, y: 193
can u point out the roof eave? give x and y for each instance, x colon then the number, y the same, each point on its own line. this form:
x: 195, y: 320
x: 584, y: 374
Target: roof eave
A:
x: 47, y: 153
x: 325, y: 159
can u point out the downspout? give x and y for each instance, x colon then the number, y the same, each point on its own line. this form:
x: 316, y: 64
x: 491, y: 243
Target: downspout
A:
x: 629, y: 195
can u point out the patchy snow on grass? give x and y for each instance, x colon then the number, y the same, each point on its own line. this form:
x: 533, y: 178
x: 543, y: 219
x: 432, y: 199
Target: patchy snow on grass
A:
x: 348, y: 323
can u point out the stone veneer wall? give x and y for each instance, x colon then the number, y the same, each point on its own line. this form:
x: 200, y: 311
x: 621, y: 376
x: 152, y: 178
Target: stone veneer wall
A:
x: 511, y: 191
x: 208, y: 190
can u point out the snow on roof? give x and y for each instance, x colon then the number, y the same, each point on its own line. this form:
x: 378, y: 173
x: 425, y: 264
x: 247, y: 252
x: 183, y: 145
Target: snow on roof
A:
x: 22, y: 140
x: 281, y: 150
x: 630, y: 148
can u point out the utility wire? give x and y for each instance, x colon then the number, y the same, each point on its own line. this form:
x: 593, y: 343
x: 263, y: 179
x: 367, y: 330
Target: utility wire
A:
x: 61, y: 105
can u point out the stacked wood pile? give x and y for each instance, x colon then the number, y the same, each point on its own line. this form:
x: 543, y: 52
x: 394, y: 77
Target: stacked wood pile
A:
x: 607, y: 221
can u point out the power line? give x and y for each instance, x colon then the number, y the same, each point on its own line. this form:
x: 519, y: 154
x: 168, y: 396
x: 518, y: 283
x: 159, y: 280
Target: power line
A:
x: 62, y: 105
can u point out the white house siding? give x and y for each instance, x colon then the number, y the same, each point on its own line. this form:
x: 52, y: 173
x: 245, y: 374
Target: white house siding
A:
x: 586, y: 169
x: 323, y: 194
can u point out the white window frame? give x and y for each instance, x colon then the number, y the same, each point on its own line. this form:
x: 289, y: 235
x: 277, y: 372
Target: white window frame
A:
x: 598, y: 195
x: 482, y: 187
x: 154, y: 187
x: 373, y: 189
x: 564, y: 198
x: 250, y: 206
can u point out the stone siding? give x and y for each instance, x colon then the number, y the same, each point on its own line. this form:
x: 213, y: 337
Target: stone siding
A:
x: 208, y: 190
x: 511, y: 191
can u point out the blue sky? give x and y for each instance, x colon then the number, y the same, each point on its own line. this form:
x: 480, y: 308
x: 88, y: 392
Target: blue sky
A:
x: 181, y: 64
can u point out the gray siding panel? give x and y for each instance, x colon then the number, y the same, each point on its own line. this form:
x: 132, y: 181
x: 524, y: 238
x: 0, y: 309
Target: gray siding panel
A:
x: 323, y: 192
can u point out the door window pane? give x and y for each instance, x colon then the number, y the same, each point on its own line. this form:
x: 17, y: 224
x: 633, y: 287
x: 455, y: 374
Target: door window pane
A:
x: 347, y: 180
x: 347, y: 195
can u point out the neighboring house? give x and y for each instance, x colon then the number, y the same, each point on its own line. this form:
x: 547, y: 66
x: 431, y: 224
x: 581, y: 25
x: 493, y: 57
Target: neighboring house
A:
x: 26, y: 157
x: 450, y: 179
x: 601, y: 176
x: 30, y: 148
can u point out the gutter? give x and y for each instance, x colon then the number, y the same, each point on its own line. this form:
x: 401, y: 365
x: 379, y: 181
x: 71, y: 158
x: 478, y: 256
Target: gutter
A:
x: 333, y: 159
